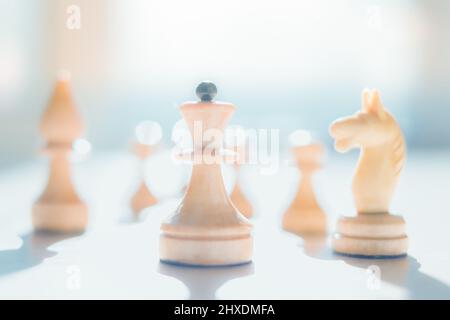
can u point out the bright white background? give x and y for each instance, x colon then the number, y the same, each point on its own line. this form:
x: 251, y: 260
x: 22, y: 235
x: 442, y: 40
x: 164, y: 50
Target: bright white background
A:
x: 286, y: 64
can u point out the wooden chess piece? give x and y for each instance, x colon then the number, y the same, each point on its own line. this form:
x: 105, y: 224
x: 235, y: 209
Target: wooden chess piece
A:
x: 304, y: 216
x: 182, y: 151
x: 237, y: 197
x: 59, y: 208
x: 374, y: 231
x: 142, y: 198
x: 206, y: 229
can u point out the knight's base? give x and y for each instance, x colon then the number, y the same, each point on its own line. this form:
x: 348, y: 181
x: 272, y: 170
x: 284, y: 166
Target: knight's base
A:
x: 362, y: 247
x: 205, y: 251
x: 371, y: 235
x: 359, y: 256
x: 60, y: 217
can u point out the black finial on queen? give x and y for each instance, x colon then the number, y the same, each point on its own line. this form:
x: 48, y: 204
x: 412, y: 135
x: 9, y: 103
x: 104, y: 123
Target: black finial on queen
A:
x: 206, y: 91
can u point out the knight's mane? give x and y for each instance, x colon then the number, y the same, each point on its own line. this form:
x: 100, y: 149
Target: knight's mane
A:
x: 398, y: 151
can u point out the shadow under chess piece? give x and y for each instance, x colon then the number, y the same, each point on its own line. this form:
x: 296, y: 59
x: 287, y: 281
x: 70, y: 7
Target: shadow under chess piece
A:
x: 32, y: 252
x: 142, y: 198
x: 203, y: 283
x: 304, y: 216
x: 373, y: 231
x: 403, y: 272
x: 59, y: 208
x: 206, y: 229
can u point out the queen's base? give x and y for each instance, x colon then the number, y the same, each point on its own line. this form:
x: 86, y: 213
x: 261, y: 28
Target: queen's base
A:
x: 205, y: 251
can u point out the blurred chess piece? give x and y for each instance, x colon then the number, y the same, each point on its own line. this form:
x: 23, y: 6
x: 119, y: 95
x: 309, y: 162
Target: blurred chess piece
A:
x: 148, y: 135
x: 182, y: 150
x: 374, y: 231
x: 142, y: 198
x: 237, y: 142
x: 59, y: 208
x: 206, y: 229
x: 305, y: 216
x: 238, y: 197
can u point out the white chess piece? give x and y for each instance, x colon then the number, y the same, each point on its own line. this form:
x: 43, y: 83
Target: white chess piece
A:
x: 206, y: 229
x: 142, y: 198
x: 59, y: 208
x: 374, y: 231
x: 237, y: 196
x: 305, y: 216
x: 236, y: 144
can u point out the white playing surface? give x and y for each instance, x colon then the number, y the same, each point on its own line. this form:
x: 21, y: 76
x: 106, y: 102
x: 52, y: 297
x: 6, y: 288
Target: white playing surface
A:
x: 118, y: 258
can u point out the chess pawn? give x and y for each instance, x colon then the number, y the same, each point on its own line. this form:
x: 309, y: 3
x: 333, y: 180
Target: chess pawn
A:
x: 304, y: 216
x: 237, y: 196
x: 183, y: 157
x: 59, y: 208
x: 374, y: 231
x: 206, y: 229
x: 142, y: 198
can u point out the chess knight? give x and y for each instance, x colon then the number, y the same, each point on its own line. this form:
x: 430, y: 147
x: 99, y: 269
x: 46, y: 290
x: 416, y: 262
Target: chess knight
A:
x: 374, y: 231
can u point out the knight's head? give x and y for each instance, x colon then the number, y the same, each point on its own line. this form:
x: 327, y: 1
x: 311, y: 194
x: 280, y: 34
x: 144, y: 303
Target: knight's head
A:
x: 369, y: 127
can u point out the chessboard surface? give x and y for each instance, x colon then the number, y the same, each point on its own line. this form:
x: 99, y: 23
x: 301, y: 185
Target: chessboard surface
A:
x: 118, y: 257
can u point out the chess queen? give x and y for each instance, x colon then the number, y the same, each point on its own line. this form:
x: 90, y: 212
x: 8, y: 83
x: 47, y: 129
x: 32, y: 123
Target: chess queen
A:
x: 374, y: 231
x: 206, y: 229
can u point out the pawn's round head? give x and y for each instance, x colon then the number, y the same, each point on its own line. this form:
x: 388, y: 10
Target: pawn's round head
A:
x: 206, y: 91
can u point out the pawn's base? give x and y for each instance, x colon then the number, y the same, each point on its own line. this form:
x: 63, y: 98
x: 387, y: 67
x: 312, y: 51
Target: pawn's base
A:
x: 312, y: 223
x: 371, y: 235
x: 60, y: 217
x: 205, y: 251
x: 142, y: 199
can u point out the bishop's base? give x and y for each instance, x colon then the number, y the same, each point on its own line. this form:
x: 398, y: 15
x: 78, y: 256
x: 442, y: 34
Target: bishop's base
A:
x: 371, y: 236
x: 60, y: 217
x: 205, y: 251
